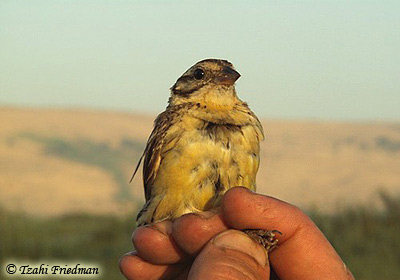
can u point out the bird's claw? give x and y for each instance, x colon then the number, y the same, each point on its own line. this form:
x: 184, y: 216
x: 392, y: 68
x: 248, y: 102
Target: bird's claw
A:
x: 266, y: 238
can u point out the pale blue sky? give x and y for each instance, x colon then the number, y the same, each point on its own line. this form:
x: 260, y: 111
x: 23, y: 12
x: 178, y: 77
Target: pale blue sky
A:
x: 337, y: 60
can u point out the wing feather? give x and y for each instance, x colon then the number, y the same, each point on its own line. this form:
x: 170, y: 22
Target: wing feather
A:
x: 152, y: 155
x: 256, y: 122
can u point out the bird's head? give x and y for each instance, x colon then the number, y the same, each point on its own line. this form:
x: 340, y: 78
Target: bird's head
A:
x: 209, y: 77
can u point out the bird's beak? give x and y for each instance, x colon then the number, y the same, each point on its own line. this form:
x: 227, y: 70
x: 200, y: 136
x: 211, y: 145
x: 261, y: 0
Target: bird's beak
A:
x: 228, y: 76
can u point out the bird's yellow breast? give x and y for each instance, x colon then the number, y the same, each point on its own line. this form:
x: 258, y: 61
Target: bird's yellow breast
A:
x: 200, y: 162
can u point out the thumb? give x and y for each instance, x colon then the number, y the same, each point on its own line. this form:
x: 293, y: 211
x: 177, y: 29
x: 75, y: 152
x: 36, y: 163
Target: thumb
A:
x: 231, y: 255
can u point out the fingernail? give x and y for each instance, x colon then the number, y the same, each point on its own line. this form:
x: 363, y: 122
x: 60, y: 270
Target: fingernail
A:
x: 237, y: 240
x: 204, y: 215
x: 165, y: 227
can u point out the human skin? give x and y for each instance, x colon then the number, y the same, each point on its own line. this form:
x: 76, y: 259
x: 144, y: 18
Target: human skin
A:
x: 210, y: 245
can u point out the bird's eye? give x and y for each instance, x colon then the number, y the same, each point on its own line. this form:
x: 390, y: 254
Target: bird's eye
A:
x: 198, y: 74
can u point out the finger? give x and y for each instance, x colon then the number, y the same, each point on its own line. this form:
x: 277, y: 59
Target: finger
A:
x: 155, y: 244
x: 244, y: 209
x: 231, y: 255
x: 133, y: 267
x: 192, y: 231
x: 302, y: 245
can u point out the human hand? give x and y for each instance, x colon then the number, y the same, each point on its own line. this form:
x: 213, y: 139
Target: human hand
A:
x: 204, y: 246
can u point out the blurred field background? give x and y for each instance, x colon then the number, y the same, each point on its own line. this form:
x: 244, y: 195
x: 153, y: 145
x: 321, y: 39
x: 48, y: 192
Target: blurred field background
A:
x: 322, y: 75
x: 64, y: 189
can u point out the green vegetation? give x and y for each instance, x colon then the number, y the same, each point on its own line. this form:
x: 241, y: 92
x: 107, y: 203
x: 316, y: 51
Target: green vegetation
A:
x: 100, y: 240
x: 110, y: 159
x: 367, y: 239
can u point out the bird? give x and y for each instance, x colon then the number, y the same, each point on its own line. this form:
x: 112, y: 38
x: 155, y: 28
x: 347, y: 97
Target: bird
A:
x: 205, y: 142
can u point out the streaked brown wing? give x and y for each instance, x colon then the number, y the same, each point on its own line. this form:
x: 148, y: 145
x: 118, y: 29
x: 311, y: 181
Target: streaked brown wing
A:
x: 152, y: 157
x: 259, y: 126
x: 257, y: 121
x: 158, y: 139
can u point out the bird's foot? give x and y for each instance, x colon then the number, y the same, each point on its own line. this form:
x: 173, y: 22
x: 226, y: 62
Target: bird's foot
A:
x: 266, y: 238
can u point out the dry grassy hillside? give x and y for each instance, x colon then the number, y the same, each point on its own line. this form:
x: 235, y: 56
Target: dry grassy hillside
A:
x: 57, y: 161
